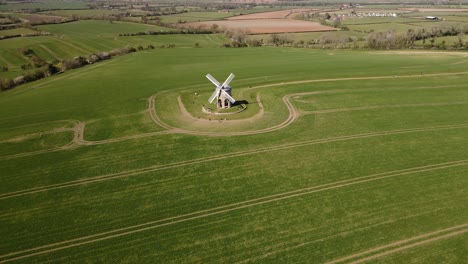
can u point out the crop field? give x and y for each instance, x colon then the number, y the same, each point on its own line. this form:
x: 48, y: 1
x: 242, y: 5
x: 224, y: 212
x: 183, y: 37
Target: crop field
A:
x: 194, y: 17
x: 271, y: 15
x: 39, y: 19
x: 312, y: 36
x: 43, y: 5
x: 16, y: 31
x: 265, y: 26
x: 339, y: 157
x: 378, y: 20
x: 399, y: 27
x: 83, y: 12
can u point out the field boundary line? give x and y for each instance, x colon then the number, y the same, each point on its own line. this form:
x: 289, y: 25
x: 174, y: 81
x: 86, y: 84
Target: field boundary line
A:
x: 216, y: 211
x: 403, y: 244
x: 215, y: 158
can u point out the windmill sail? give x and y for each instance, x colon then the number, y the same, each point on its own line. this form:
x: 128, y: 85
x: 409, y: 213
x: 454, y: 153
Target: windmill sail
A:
x: 220, y: 88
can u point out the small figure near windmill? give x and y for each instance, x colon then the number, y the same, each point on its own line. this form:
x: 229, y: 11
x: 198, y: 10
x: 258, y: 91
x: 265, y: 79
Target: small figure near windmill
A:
x: 222, y: 93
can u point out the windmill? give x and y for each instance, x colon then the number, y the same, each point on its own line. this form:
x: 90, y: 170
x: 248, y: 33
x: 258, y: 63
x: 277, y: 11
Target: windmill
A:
x: 222, y: 92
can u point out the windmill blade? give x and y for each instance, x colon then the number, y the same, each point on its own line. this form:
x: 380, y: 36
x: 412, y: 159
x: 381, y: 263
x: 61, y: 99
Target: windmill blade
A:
x: 232, y: 100
x: 214, y: 95
x: 228, y: 80
x: 213, y: 80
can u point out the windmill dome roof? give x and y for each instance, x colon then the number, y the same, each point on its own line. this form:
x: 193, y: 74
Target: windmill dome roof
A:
x: 227, y: 88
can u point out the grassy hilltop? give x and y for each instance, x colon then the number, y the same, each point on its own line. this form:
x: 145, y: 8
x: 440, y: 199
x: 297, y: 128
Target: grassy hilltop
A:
x: 354, y: 155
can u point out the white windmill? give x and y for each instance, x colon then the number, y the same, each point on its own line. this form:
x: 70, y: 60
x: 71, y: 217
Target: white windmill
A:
x: 222, y: 92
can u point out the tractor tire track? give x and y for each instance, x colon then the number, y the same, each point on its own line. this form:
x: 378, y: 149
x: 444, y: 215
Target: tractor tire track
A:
x: 361, y: 108
x: 217, y: 157
x: 34, y: 135
x: 77, y: 138
x: 403, y: 244
x: 357, y: 78
x: 217, y: 211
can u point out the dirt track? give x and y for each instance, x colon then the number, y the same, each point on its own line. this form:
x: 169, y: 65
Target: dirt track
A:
x: 218, y: 210
x: 252, y: 118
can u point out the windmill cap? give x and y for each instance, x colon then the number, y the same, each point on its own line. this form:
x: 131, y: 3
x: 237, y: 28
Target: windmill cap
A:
x: 227, y: 88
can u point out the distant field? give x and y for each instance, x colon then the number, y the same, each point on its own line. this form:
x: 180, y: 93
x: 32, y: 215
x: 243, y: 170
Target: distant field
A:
x: 9, y: 32
x: 35, y: 19
x: 44, y: 5
x: 98, y: 28
x: 263, y: 26
x: 312, y: 36
x: 270, y: 15
x: 463, y: 19
x: 82, y: 12
x: 340, y: 156
x: 431, y: 10
x: 193, y: 17
x: 377, y: 20
x: 402, y: 27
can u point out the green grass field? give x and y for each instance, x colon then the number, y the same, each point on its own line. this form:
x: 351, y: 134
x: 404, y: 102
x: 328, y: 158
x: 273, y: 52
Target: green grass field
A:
x: 348, y: 156
x: 16, y: 31
x: 194, y: 17
x: 44, y: 5
x: 83, y: 12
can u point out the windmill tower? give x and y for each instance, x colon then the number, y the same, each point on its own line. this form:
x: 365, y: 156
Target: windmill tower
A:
x: 222, y: 93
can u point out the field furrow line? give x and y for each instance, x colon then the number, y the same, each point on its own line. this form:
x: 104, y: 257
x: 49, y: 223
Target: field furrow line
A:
x: 50, y: 52
x: 215, y: 158
x: 403, y: 244
x: 216, y: 211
